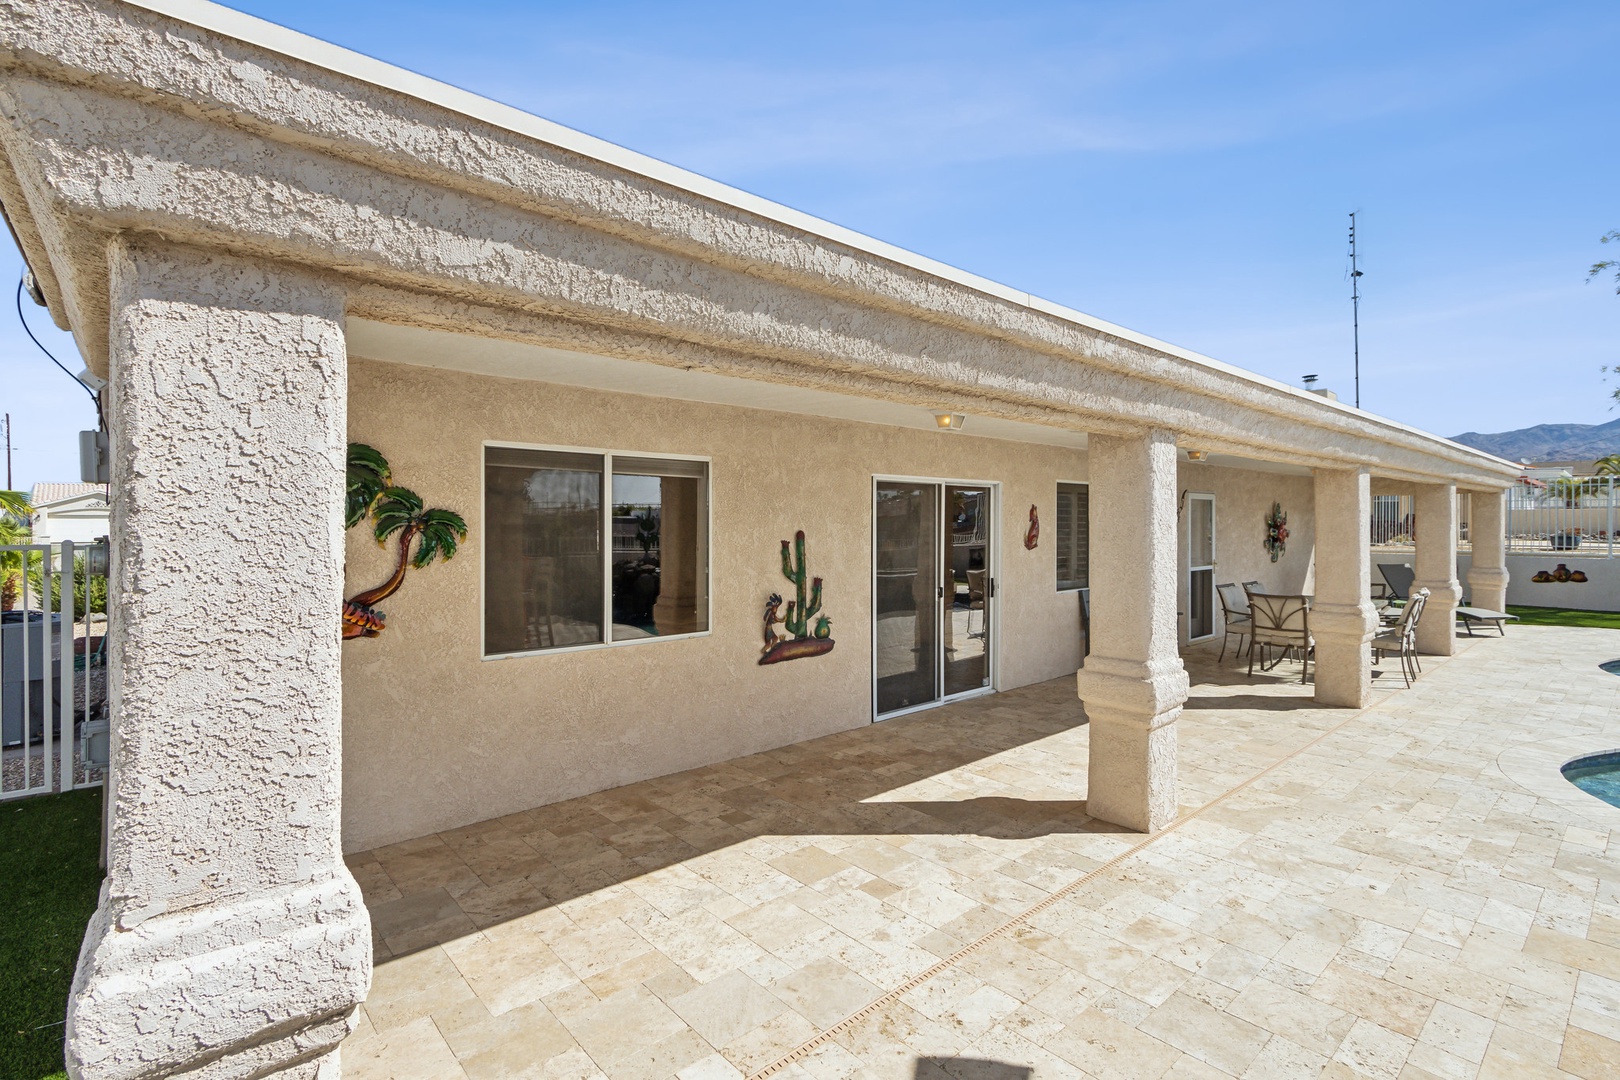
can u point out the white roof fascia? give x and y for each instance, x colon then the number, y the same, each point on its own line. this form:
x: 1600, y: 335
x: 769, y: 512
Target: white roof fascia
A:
x: 312, y: 50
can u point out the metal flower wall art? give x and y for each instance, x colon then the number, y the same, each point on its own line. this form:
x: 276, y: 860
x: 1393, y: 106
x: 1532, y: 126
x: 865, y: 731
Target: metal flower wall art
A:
x: 394, y: 511
x: 800, y: 640
x: 1276, y: 531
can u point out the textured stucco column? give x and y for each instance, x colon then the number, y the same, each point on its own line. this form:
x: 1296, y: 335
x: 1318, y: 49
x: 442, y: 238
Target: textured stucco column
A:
x: 1133, y: 684
x: 1435, y: 565
x: 1487, y: 569
x: 230, y: 940
x: 1343, y: 621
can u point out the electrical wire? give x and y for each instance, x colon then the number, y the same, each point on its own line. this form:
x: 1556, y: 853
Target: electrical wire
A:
x: 95, y: 398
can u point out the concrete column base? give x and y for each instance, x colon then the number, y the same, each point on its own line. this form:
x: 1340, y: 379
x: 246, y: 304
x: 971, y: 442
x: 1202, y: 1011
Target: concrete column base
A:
x: 1435, y: 562
x: 1342, y: 619
x: 1133, y: 769
x: 1488, y: 587
x: 1132, y: 709
x: 1343, y: 634
x: 326, y: 1067
x: 1487, y: 570
x: 155, y: 994
x: 231, y: 942
x: 1437, y: 627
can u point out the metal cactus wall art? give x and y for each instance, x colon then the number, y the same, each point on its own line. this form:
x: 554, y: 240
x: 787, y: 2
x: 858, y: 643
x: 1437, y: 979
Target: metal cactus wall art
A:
x: 393, y: 511
x: 800, y: 640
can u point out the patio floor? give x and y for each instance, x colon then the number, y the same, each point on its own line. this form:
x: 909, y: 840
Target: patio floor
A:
x: 1347, y: 894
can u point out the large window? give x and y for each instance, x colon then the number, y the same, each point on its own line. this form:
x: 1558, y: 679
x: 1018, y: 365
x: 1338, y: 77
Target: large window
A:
x: 592, y: 549
x: 1073, y: 536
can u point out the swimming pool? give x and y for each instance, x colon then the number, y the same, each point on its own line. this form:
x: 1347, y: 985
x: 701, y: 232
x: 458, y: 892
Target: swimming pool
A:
x: 1611, y: 666
x: 1597, y: 774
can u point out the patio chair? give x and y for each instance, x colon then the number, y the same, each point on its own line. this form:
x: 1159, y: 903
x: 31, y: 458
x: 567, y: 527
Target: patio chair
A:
x: 1253, y: 587
x: 976, y: 580
x: 1280, y: 621
x: 1235, y: 615
x: 1468, y: 615
x: 1085, y: 624
x: 1472, y: 615
x: 1403, y: 639
x: 1399, y: 578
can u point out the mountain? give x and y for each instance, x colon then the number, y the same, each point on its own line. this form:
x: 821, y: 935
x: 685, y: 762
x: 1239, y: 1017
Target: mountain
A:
x: 1549, y: 442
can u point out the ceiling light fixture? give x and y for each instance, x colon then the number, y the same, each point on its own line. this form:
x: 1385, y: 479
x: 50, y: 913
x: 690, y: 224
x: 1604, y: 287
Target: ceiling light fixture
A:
x: 949, y: 421
x: 1198, y: 455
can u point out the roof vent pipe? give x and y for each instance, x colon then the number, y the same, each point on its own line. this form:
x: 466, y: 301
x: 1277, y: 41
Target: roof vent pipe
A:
x: 1311, y: 387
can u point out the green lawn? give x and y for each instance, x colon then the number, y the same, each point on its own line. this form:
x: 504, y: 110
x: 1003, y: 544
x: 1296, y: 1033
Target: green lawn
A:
x: 49, y: 876
x: 1552, y: 616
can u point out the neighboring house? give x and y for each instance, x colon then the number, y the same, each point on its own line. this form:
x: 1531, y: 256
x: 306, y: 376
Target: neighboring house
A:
x: 1545, y: 469
x: 76, y: 512
x: 270, y: 246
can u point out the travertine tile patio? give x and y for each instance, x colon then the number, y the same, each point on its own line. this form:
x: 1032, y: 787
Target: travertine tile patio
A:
x: 1383, y: 902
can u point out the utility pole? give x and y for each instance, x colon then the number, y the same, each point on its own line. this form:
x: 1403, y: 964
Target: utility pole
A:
x: 8, y: 451
x: 1355, y: 306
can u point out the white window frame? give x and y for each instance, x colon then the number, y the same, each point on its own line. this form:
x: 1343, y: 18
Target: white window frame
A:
x: 1214, y: 597
x: 994, y: 622
x: 607, y: 547
x: 1086, y: 588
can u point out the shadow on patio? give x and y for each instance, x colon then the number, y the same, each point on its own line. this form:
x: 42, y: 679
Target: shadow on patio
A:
x: 1009, y: 767
x: 826, y: 871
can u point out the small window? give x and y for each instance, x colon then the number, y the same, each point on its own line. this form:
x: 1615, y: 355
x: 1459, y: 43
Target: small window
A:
x: 592, y: 549
x: 1073, y: 536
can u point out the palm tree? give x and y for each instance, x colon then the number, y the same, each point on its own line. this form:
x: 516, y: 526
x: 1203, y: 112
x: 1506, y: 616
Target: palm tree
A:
x: 1608, y: 465
x: 16, y: 517
x: 1568, y: 490
x: 394, y: 511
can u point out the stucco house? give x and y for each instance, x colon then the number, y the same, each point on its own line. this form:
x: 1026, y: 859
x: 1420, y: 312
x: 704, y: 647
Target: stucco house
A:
x: 69, y: 511
x: 271, y: 247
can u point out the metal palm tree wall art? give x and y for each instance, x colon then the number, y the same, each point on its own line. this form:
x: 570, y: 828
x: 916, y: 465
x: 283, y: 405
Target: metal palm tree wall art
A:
x: 394, y: 511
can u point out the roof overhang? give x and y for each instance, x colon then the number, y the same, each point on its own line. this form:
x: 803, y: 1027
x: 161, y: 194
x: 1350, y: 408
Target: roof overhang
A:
x: 443, y: 210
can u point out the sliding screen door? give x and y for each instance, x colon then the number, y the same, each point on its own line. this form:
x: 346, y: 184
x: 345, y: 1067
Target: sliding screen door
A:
x: 1201, y: 567
x: 967, y: 589
x: 932, y: 592
x: 907, y: 595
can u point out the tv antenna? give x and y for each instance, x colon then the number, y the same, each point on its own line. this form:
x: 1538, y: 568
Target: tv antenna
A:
x: 1355, y: 307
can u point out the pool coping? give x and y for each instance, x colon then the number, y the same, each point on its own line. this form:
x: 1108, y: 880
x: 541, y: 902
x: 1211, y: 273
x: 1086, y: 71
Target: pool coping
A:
x: 1538, y: 768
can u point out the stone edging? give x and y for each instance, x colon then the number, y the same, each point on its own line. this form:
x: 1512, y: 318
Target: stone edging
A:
x: 1536, y: 766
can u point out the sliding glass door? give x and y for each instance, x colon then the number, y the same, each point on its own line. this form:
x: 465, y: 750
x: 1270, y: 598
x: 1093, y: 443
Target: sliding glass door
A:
x: 932, y: 592
x: 1201, y: 567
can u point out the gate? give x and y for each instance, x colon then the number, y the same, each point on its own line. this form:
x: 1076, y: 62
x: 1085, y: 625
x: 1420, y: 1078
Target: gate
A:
x: 53, y: 672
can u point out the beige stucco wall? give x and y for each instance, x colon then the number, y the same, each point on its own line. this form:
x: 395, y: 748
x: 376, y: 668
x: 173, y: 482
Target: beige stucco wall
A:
x: 1243, y: 498
x: 435, y: 737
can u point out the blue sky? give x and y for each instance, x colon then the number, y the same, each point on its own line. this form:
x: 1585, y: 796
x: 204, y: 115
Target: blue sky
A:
x: 1183, y: 169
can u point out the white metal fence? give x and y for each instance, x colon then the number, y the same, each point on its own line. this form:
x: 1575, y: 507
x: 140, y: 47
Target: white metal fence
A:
x: 53, y: 684
x: 1394, y: 523
x: 1565, y: 515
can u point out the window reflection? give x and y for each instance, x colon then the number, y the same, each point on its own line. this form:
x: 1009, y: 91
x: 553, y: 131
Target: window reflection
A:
x: 548, y: 582
x: 660, y: 547
x: 543, y: 561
